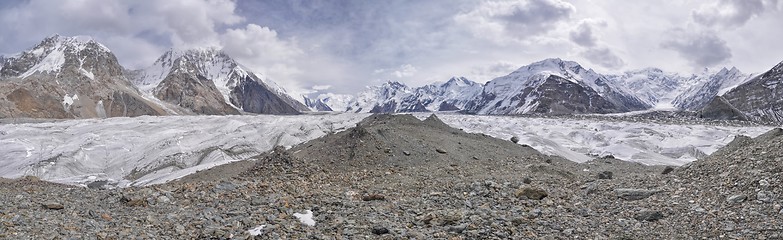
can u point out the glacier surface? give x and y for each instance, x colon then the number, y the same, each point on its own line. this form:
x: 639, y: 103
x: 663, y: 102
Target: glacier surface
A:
x: 151, y: 150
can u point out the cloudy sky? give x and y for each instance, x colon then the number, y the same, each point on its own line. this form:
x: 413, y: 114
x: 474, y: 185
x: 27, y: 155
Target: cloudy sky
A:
x: 341, y: 46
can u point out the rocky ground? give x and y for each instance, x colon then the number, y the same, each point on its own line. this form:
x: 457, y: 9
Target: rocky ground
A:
x: 395, y: 177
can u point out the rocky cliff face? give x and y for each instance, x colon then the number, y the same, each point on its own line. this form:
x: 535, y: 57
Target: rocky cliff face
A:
x: 760, y: 99
x: 712, y: 85
x: 316, y: 105
x: 68, y: 77
x: 231, y: 87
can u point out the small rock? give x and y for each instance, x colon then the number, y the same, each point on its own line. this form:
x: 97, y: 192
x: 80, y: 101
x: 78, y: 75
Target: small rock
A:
x: 738, y: 198
x: 53, y: 205
x: 373, y: 197
x: 475, y: 158
x: 632, y: 194
x: 106, y: 217
x: 133, y: 201
x: 97, y: 184
x: 667, y: 170
x: 605, y: 175
x: 648, y: 215
x: 526, y: 180
x: 226, y: 186
x: 406, y: 153
x: 379, y: 230
x: 532, y: 193
x: 763, y: 183
x: 458, y: 228
x: 764, y: 196
x: 387, y: 150
x: 515, y: 139
x: 440, y: 150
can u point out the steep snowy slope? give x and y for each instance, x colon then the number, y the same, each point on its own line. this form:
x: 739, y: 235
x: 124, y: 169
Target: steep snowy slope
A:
x: 68, y: 77
x: 759, y: 99
x: 238, y: 87
x: 558, y: 82
x: 709, y: 85
x: 653, y: 85
x: 392, y: 97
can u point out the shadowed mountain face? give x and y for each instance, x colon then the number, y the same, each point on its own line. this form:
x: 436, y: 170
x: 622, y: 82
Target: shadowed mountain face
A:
x: 760, y: 99
x: 68, y: 77
x: 232, y: 88
x: 554, y: 86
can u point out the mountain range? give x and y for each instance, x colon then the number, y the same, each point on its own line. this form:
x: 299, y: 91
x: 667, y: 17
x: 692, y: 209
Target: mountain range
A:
x: 556, y: 86
x: 77, y: 77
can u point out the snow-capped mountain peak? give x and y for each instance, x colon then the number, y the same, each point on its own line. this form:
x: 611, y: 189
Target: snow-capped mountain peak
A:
x: 239, y: 87
x: 51, y: 56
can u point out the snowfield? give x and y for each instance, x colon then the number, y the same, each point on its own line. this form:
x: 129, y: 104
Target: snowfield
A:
x: 582, y: 140
x: 151, y: 150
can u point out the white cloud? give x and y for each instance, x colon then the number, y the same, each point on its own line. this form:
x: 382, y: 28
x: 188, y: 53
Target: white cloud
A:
x: 701, y: 48
x: 584, y: 33
x: 405, y: 70
x: 491, y: 71
x: 731, y: 13
x: 321, y: 87
x: 604, y: 57
x: 126, y: 26
x: 503, y: 21
x: 259, y: 46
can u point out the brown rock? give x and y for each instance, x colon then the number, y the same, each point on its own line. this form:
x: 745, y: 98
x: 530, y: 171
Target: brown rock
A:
x: 373, y: 197
x: 532, y: 193
x: 53, y: 205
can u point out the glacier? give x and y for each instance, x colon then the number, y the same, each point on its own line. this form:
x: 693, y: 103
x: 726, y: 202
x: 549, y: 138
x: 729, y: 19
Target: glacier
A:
x: 151, y: 150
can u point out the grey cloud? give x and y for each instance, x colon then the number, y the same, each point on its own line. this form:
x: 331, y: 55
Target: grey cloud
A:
x: 604, y: 57
x: 584, y: 34
x: 702, y: 48
x: 731, y: 13
x: 536, y: 16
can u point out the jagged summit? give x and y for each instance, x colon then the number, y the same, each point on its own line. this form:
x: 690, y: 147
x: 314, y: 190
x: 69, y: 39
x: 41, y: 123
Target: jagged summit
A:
x: 240, y: 88
x: 55, y: 53
x: 69, y: 77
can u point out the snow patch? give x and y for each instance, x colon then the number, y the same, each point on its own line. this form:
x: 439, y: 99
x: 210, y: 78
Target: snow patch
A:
x: 51, y: 63
x: 306, y: 218
x: 68, y: 101
x: 257, y: 230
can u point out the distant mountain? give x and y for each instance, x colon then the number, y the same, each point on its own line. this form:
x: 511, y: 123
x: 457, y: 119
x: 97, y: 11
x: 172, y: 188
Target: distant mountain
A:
x: 554, y: 86
x: 316, y: 105
x: 68, y: 77
x: 652, y: 85
x: 709, y: 86
x: 336, y: 102
x: 759, y: 99
x: 453, y: 95
x: 208, y: 81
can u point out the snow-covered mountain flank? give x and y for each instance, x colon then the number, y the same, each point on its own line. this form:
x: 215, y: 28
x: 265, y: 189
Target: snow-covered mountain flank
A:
x: 453, y: 95
x: 68, y: 77
x: 551, y: 86
x: 208, y: 81
x: 77, y: 77
x: 759, y: 99
x: 554, y: 86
